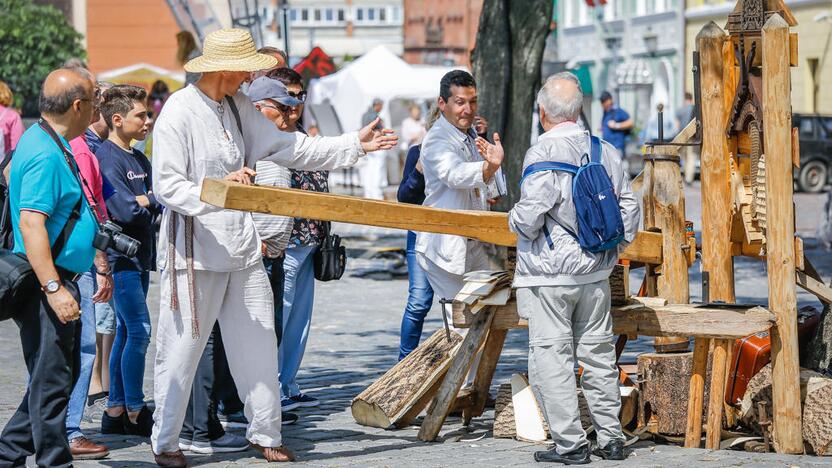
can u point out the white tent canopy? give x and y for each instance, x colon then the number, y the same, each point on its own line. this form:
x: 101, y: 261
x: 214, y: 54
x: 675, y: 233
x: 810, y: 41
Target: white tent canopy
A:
x: 377, y: 74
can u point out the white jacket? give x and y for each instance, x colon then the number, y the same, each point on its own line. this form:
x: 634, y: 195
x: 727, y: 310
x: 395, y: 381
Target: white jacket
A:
x: 546, y: 197
x: 195, y: 138
x: 453, y: 180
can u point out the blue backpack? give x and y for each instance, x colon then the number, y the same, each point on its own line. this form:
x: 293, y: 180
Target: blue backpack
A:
x: 600, y: 226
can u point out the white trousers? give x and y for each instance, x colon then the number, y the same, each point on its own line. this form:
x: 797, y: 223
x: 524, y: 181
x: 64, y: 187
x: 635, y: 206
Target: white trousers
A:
x: 565, y: 323
x: 243, y: 304
x: 373, y: 172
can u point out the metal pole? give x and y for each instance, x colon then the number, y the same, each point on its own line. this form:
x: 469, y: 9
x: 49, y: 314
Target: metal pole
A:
x: 284, y: 27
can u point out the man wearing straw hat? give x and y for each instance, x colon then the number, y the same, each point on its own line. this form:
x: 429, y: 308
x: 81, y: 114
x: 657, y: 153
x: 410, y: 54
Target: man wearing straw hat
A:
x: 210, y: 257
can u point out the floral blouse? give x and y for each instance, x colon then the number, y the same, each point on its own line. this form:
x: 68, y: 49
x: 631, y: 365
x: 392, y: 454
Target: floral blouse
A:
x: 308, y: 232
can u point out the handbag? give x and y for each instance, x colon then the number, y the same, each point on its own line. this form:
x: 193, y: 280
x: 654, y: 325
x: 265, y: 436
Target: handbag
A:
x: 17, y: 279
x: 330, y: 259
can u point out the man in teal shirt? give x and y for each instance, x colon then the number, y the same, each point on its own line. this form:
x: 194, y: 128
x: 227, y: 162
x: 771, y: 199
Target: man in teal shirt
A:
x: 43, y: 191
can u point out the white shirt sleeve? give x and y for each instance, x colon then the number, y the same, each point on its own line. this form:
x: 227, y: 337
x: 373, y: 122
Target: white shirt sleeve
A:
x: 172, y: 184
x: 264, y: 141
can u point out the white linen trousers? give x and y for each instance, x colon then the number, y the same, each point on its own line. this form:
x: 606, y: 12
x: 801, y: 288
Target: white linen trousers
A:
x: 242, y: 302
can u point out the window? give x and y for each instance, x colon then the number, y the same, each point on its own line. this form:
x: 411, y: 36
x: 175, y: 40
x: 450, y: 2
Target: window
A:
x: 826, y: 127
x: 329, y: 15
x: 371, y: 14
x: 341, y: 15
x: 317, y: 15
x: 397, y: 14
x: 807, y: 127
x: 304, y: 15
x: 359, y: 14
x: 382, y: 14
x: 293, y: 15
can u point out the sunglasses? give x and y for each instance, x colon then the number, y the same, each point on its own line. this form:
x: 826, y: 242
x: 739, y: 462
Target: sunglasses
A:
x: 300, y: 96
x: 278, y: 107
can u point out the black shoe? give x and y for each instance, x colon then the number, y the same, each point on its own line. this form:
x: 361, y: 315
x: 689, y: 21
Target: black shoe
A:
x: 613, y: 451
x: 288, y: 418
x: 143, y: 425
x: 112, y: 425
x: 575, y: 457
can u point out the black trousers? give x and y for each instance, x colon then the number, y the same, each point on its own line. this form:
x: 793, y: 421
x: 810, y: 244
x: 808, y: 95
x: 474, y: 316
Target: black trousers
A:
x: 277, y: 280
x: 49, y: 348
x: 212, y: 384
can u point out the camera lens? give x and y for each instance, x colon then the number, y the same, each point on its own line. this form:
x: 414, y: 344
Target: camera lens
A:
x: 125, y: 244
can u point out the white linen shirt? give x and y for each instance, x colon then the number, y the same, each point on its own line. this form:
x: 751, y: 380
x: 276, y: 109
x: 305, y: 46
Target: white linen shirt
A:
x: 195, y: 138
x: 453, y: 180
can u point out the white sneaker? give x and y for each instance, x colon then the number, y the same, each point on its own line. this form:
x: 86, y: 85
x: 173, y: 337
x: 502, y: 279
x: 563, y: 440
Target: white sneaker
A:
x: 185, y: 445
x: 227, y: 443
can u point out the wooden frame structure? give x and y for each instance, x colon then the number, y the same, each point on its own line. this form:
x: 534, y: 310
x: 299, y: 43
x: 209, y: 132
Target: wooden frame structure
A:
x: 747, y: 209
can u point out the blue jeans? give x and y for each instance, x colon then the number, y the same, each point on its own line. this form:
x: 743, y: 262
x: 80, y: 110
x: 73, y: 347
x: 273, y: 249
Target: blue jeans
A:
x: 419, y: 301
x: 298, y: 297
x: 78, y: 398
x: 132, y: 337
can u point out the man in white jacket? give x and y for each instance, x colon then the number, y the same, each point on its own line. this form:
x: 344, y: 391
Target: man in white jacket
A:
x: 457, y: 177
x: 564, y: 290
x: 210, y: 258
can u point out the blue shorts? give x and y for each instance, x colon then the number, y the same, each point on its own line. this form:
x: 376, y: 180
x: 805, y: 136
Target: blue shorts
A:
x: 105, y: 318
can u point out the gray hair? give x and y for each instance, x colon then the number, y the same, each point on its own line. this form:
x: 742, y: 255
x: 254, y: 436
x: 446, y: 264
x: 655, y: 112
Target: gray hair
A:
x: 561, y: 106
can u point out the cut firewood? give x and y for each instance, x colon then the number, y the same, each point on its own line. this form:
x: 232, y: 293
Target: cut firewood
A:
x: 816, y: 395
x: 504, y: 413
x: 620, y: 284
x: 528, y: 419
x: 396, y: 398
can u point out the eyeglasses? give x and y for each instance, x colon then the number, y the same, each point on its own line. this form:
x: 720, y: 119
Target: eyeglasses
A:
x: 278, y: 107
x: 300, y: 95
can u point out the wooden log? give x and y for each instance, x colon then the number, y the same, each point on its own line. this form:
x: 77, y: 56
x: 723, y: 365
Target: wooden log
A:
x: 658, y: 320
x: 620, y: 285
x: 777, y: 121
x: 392, y: 399
x: 460, y: 364
x: 664, y: 390
x: 713, y: 434
x: 716, y: 196
x: 504, y: 413
x: 485, y: 226
x: 815, y: 392
x: 696, y: 393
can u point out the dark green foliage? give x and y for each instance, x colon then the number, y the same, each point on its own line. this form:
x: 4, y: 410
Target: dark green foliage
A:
x: 34, y: 40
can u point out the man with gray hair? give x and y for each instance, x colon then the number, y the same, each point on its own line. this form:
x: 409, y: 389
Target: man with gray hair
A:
x: 563, y: 289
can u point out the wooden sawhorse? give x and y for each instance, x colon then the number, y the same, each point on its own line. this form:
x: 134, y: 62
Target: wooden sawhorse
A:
x: 645, y: 316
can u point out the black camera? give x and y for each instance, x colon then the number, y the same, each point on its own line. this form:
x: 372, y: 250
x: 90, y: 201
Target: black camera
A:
x: 110, y: 236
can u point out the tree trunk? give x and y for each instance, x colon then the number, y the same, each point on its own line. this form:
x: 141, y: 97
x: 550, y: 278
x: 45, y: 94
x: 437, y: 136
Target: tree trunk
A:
x: 663, y: 405
x: 511, y: 34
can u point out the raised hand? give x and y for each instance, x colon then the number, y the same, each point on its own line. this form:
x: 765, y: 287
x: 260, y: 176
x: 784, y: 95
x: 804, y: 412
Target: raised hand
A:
x: 375, y: 140
x: 493, y: 154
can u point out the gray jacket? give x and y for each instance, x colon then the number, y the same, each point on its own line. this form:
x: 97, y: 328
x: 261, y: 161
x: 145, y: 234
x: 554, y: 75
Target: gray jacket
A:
x: 546, y: 197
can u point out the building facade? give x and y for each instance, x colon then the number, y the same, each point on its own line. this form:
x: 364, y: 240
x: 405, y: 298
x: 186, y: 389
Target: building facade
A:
x: 440, y: 32
x: 342, y: 28
x: 811, y: 79
x: 632, y: 48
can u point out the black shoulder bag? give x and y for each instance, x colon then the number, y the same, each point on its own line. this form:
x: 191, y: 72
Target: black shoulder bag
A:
x: 17, y: 279
x: 330, y: 259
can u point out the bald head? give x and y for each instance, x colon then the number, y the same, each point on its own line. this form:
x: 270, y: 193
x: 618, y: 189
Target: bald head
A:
x: 561, y: 98
x: 62, y: 89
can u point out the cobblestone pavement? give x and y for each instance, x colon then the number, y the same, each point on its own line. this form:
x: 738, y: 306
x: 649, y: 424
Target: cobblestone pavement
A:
x: 354, y: 339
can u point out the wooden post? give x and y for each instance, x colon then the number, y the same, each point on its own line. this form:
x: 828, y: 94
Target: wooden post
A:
x: 485, y: 373
x: 461, y: 363
x: 717, y: 394
x: 693, y: 433
x: 777, y: 121
x: 716, y: 195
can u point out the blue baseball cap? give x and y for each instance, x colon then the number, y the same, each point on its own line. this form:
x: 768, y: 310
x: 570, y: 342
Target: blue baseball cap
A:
x: 269, y: 88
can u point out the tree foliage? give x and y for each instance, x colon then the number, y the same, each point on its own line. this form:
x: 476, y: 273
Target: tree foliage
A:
x: 35, y: 40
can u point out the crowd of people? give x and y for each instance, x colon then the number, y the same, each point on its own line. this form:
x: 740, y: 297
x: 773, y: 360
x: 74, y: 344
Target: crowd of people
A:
x: 87, y: 206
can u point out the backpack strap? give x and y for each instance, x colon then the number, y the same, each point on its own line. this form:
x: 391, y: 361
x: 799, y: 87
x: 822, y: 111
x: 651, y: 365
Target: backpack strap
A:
x: 595, y: 149
x: 236, y: 113
x: 548, y: 166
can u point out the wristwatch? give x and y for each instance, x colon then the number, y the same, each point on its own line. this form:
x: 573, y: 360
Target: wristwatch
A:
x: 51, y: 287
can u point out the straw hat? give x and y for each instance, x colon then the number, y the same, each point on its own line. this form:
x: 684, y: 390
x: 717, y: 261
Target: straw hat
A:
x: 230, y: 50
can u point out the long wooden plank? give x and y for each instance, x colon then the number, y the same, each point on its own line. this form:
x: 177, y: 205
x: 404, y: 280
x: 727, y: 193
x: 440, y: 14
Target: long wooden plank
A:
x: 777, y: 121
x: 639, y: 319
x: 486, y: 226
x: 716, y: 194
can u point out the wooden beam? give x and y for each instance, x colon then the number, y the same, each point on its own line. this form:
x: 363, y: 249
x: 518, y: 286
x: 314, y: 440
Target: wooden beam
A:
x: 696, y: 392
x: 713, y: 434
x: 822, y: 291
x: 650, y: 320
x: 486, y: 226
x: 777, y: 122
x: 716, y: 195
x: 489, y: 358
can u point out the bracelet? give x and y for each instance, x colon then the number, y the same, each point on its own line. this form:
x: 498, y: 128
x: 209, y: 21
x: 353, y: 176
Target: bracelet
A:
x: 103, y: 273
